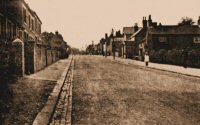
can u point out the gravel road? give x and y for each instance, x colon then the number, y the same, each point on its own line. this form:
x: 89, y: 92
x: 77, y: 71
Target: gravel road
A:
x: 108, y: 93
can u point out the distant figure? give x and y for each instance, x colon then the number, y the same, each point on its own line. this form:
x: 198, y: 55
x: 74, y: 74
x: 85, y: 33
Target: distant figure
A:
x: 185, y: 57
x: 114, y: 55
x: 146, y: 59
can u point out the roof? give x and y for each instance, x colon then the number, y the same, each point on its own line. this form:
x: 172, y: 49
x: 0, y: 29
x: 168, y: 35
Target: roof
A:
x: 174, y: 29
x: 128, y: 30
x: 118, y: 39
x: 133, y: 35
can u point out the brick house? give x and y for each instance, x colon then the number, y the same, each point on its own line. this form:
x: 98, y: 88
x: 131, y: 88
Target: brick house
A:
x: 25, y: 22
x: 170, y: 37
x: 19, y: 23
x: 17, y: 20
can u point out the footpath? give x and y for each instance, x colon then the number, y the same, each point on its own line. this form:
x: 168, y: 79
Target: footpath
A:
x: 57, y: 72
x: 165, y: 67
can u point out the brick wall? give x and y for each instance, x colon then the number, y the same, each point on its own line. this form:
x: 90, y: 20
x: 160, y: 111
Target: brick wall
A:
x: 40, y: 57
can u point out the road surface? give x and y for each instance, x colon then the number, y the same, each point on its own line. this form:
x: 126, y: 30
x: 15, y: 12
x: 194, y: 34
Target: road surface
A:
x: 108, y: 93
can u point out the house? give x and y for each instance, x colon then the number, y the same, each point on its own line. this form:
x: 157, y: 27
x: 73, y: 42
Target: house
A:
x: 17, y: 20
x: 117, y: 43
x: 20, y: 34
x: 129, y: 44
x: 23, y: 22
x: 108, y: 44
x: 170, y: 37
x: 137, y: 37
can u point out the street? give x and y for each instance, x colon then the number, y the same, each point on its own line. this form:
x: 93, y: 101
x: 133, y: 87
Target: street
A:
x: 110, y: 93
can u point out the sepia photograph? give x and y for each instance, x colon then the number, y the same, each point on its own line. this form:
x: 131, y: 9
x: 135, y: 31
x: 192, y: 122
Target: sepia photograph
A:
x: 99, y: 62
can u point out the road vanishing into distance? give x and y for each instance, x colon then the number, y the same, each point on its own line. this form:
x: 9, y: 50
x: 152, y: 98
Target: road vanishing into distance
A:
x: 106, y: 92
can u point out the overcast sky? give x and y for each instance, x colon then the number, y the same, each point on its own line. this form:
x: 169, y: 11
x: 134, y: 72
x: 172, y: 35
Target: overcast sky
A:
x: 81, y: 21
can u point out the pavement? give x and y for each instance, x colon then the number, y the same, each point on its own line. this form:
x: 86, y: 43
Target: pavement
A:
x: 56, y: 72
x: 171, y: 68
x: 52, y: 72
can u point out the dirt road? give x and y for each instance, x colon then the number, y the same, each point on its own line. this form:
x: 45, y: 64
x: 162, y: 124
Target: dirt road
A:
x: 108, y: 93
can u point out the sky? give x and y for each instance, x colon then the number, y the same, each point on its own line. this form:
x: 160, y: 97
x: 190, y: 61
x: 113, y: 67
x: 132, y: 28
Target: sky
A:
x: 83, y: 21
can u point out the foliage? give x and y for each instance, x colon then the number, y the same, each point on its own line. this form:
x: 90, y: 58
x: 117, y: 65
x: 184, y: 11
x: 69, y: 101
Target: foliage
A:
x: 175, y: 57
x: 186, y: 21
x: 158, y: 56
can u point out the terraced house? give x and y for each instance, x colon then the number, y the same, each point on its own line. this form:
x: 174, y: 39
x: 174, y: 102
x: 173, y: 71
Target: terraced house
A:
x: 18, y: 20
x: 20, y: 29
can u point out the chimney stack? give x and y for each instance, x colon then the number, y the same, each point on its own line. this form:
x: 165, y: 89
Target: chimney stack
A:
x: 56, y: 32
x: 149, y: 21
x: 198, y: 22
x: 136, y: 27
x: 144, y: 22
x: 106, y: 36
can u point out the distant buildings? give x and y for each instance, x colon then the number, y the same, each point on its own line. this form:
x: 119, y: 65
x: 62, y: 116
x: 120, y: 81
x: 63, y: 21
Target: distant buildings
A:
x: 159, y: 41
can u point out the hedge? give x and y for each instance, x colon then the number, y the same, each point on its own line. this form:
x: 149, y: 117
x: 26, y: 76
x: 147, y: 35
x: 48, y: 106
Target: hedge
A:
x: 176, y: 57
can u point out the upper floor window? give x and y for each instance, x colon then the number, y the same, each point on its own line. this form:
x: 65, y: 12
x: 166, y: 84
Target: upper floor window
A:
x: 9, y: 33
x: 24, y: 15
x: 196, y: 39
x: 29, y: 21
x: 0, y: 24
x: 39, y: 28
x: 35, y: 25
x: 162, y: 39
x: 14, y: 30
x: 32, y: 24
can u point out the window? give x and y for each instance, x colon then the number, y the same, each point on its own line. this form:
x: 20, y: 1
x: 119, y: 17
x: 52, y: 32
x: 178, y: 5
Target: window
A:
x: 20, y: 34
x: 35, y: 25
x: 24, y: 13
x: 162, y: 39
x: 196, y: 39
x: 0, y: 24
x: 39, y: 28
x: 9, y: 33
x: 29, y: 21
x: 3, y: 27
x: 25, y: 36
x: 14, y: 30
x: 32, y: 24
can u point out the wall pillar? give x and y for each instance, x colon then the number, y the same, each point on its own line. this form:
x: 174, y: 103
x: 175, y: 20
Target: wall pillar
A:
x: 18, y: 52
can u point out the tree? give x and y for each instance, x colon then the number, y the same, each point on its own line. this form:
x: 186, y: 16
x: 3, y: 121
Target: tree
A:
x: 186, y: 21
